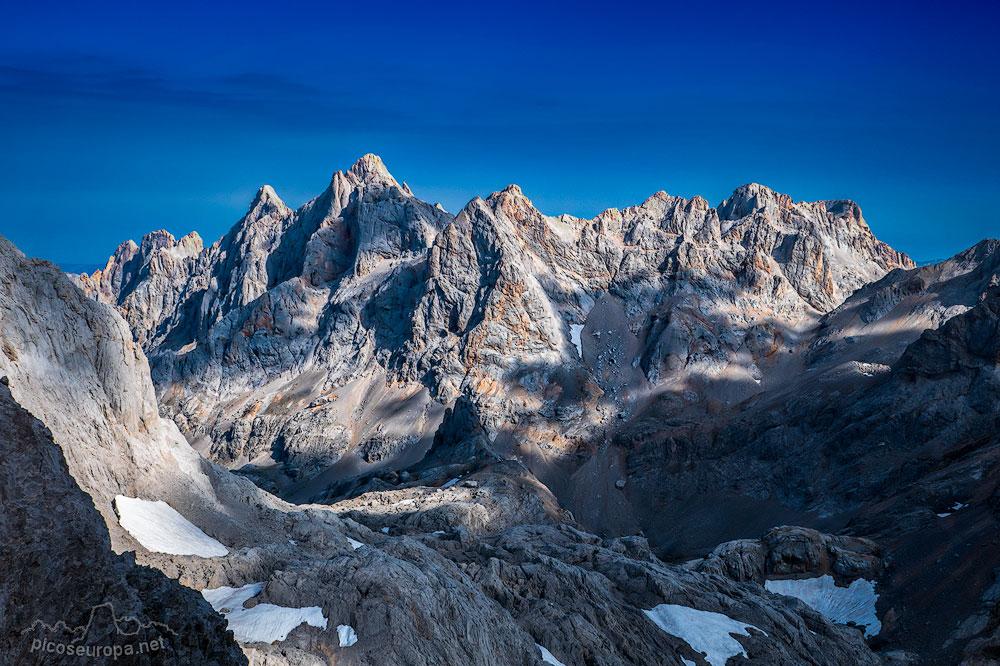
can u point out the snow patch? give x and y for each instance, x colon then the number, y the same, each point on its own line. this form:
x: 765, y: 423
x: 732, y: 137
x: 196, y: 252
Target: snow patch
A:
x: 957, y: 506
x: 574, y: 334
x: 451, y: 483
x: 264, y: 623
x: 547, y: 657
x: 225, y: 599
x: 160, y: 529
x: 385, y: 530
x: 347, y: 635
x: 854, y: 604
x: 355, y: 544
x: 706, y: 632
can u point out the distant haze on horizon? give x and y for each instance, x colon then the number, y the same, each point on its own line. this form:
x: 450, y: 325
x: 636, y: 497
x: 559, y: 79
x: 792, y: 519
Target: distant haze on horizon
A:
x: 118, y: 119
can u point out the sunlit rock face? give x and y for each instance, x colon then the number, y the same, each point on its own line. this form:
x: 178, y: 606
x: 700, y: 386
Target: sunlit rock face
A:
x: 288, y: 339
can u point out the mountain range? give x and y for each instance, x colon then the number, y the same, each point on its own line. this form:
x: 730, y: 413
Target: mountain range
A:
x: 499, y: 436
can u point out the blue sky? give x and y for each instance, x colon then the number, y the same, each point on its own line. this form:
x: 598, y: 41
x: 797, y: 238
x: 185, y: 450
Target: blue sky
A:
x: 117, y: 119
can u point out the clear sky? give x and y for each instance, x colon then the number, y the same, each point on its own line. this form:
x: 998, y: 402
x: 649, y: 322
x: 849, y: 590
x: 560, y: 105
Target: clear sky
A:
x: 117, y: 119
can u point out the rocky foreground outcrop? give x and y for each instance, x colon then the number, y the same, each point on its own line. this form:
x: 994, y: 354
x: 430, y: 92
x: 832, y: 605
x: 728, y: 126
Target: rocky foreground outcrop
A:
x: 789, y: 551
x: 65, y: 590
x: 417, y: 598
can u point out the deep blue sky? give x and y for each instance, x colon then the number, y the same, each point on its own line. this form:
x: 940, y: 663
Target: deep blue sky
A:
x: 116, y: 119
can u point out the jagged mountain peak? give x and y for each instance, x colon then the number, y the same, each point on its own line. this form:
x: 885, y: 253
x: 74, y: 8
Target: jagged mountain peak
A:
x: 984, y: 249
x: 511, y: 202
x: 751, y: 198
x: 267, y: 203
x: 189, y: 245
x: 510, y: 192
x: 368, y: 171
x: 266, y: 193
x: 498, y: 284
x: 370, y: 165
x: 368, y: 174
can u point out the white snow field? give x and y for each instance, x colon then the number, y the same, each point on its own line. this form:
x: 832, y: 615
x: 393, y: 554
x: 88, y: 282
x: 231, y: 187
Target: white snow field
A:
x: 264, y: 623
x: 160, y: 529
x: 355, y: 544
x: 854, y: 604
x: 705, y: 631
x: 347, y: 635
x: 547, y: 657
x: 574, y: 334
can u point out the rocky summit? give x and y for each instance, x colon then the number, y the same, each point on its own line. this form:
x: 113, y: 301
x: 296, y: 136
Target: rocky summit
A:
x: 370, y: 431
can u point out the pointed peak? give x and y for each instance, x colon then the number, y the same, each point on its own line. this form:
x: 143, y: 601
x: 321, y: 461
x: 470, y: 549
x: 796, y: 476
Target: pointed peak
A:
x: 123, y: 252
x: 370, y: 172
x: 660, y: 195
x: 511, y: 202
x: 266, y: 202
x: 370, y: 166
x: 510, y: 193
x: 751, y: 198
x: 159, y: 235
x: 266, y: 194
x: 163, y: 240
x: 191, y: 244
x: 154, y: 240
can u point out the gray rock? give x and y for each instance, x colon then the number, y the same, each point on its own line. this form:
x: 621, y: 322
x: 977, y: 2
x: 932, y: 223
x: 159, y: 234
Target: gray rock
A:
x: 57, y: 566
x: 786, y: 551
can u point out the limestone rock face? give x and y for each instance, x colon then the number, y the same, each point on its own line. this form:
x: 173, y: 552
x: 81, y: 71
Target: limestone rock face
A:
x: 703, y: 374
x: 57, y: 567
x: 786, y: 551
x: 617, y: 578
x: 272, y: 345
x: 887, y: 429
x: 461, y: 483
x: 145, y: 277
x: 73, y: 363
